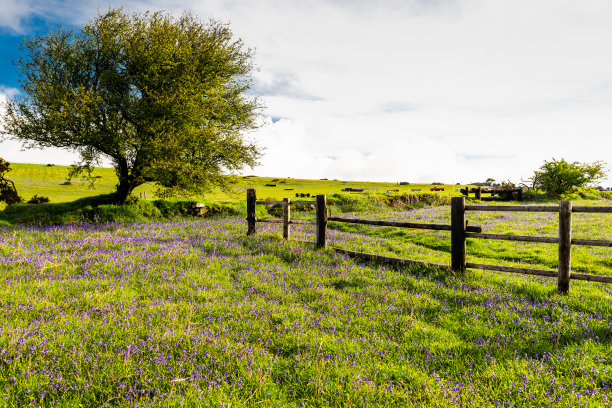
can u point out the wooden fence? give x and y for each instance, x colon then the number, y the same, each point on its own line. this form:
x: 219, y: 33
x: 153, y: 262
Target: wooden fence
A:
x: 460, y: 231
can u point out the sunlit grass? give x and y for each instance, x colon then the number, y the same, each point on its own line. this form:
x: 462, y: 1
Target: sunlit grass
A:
x: 50, y: 181
x: 195, y: 313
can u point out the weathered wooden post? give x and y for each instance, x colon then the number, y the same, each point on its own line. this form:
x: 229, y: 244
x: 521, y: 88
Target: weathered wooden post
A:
x: 565, y: 246
x: 251, y: 199
x: 520, y: 194
x: 458, y: 234
x: 286, y: 218
x: 321, y: 221
x: 478, y: 193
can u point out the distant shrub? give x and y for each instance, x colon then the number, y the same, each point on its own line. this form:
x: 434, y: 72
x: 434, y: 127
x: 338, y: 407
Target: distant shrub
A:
x: 351, y: 202
x: 303, y: 207
x: 409, y: 201
x: 36, y: 199
x: 137, y: 212
x: 531, y: 194
x: 275, y: 210
x: 437, y: 183
x: 559, y: 177
x: 170, y: 208
x: 192, y: 208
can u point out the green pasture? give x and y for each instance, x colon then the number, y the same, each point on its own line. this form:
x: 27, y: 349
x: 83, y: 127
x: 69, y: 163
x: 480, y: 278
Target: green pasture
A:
x: 49, y: 181
x: 195, y: 313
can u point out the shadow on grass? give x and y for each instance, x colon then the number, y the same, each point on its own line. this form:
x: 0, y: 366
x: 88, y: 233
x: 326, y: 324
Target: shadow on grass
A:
x: 103, y: 209
x: 54, y: 213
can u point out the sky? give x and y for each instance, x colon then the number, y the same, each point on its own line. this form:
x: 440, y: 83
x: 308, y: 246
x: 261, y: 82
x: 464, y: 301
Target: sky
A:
x: 453, y: 91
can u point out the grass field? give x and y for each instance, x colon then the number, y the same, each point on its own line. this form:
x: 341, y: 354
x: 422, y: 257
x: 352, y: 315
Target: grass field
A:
x: 48, y: 181
x: 194, y: 313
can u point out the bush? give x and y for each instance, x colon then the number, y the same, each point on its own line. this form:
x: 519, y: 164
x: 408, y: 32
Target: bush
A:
x: 36, y: 199
x: 103, y: 208
x: 175, y: 208
x: 560, y: 177
x: 351, y: 202
x: 137, y: 212
x: 275, y: 210
x: 410, y: 201
x: 192, y: 208
x: 8, y: 192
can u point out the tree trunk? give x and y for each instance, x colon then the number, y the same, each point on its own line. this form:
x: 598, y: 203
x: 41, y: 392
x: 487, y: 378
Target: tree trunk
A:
x: 124, y: 189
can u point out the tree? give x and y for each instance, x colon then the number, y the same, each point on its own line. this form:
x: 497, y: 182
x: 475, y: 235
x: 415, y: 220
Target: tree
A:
x: 163, y: 98
x: 8, y: 191
x: 560, y: 177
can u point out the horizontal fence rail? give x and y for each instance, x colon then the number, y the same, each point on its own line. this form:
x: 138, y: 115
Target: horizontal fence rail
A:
x: 291, y: 202
x: 460, y: 231
x: 545, y: 240
x: 529, y: 208
x: 540, y: 272
x: 520, y: 238
x: 280, y: 221
x: 607, y: 210
x: 437, y: 227
x: 536, y: 208
x: 512, y: 269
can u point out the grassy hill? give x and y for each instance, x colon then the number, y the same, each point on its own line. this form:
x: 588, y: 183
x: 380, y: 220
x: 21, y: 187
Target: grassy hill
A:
x: 50, y: 181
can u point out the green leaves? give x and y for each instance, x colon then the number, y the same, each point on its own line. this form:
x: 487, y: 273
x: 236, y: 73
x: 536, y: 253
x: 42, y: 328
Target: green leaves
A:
x: 560, y: 177
x: 162, y: 97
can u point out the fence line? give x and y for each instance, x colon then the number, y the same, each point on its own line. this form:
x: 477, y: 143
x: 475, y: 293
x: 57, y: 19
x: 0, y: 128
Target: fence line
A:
x: 437, y: 227
x: 460, y: 231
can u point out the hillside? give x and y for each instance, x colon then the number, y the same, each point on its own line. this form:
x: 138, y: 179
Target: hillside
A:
x: 50, y: 181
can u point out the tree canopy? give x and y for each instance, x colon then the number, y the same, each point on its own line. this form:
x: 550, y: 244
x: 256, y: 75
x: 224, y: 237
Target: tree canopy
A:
x: 164, y: 98
x: 559, y: 177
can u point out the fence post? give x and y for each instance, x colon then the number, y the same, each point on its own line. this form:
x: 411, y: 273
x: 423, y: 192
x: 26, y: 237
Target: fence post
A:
x: 321, y: 221
x: 251, y: 198
x: 458, y: 234
x: 565, y: 246
x: 478, y: 193
x: 286, y: 218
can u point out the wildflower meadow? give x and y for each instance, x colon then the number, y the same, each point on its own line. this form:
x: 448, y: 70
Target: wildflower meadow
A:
x: 195, y: 313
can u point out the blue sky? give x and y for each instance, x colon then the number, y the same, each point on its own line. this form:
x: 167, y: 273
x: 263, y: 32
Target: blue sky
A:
x: 11, y: 38
x: 418, y: 90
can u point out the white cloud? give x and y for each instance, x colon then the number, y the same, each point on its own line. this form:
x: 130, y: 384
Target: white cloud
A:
x: 423, y: 90
x: 13, y: 11
x: 13, y: 151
